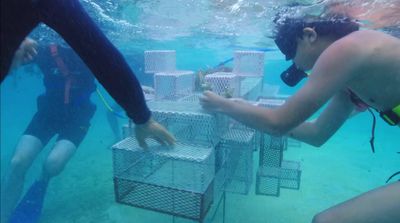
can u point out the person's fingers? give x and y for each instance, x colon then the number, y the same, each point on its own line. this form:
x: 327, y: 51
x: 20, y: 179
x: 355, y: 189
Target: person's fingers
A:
x: 168, y: 137
x: 159, y: 140
x: 142, y: 142
x: 164, y: 135
x: 34, y: 51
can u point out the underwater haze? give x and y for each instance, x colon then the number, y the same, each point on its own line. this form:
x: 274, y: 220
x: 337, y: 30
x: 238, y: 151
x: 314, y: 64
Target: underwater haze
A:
x: 204, y: 33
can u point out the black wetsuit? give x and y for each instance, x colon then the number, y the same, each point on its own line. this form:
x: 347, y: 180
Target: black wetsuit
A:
x: 65, y: 108
x: 68, y: 18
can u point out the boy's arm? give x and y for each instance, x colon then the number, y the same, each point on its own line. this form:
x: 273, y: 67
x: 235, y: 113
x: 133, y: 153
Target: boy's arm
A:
x: 317, y: 132
x: 332, y: 72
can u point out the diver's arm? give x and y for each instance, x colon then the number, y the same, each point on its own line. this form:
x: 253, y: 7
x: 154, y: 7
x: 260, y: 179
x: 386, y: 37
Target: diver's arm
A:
x: 331, y: 73
x: 71, y: 21
x: 318, y: 131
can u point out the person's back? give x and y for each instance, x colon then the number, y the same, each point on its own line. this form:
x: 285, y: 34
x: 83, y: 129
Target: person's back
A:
x: 377, y: 76
x: 61, y: 65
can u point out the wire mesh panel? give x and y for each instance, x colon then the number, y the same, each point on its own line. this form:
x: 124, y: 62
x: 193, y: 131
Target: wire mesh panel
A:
x: 159, y: 61
x: 188, y: 122
x: 271, y: 150
x: 194, y: 98
x: 173, y: 85
x: 223, y: 83
x: 250, y: 87
x: 248, y: 63
x: 290, y: 174
x: 177, y: 181
x: 293, y: 143
x: 238, y: 145
x: 268, y: 181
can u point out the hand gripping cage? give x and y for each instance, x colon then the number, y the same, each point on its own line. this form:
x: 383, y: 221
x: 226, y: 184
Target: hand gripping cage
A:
x: 188, y: 122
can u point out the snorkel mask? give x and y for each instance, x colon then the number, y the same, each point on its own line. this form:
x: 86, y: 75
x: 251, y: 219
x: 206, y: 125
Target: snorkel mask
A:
x: 286, y: 40
x: 289, y: 30
x: 292, y: 76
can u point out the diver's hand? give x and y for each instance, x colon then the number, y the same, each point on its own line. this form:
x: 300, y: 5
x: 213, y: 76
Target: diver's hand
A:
x: 152, y: 129
x: 26, y: 52
x: 212, y: 102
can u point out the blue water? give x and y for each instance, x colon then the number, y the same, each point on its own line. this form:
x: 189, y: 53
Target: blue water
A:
x: 343, y: 168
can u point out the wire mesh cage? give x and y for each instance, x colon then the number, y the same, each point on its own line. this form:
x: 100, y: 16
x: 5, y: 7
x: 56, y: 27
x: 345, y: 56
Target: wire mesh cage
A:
x: 268, y: 181
x: 238, y: 146
x: 248, y: 63
x: 271, y: 179
x: 159, y: 61
x: 173, y: 85
x: 271, y: 150
x: 224, y: 83
x: 290, y: 174
x: 188, y: 122
x: 178, y: 181
x: 251, y: 87
x: 194, y: 98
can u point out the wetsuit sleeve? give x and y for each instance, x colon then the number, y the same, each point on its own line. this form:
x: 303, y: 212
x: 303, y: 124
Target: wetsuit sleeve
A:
x: 69, y: 19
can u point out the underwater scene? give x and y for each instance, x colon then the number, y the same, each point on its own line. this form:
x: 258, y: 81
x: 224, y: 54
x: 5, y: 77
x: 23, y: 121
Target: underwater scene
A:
x: 238, y: 111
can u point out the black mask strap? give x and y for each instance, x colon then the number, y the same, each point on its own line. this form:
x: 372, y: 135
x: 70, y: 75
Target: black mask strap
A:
x: 371, y: 141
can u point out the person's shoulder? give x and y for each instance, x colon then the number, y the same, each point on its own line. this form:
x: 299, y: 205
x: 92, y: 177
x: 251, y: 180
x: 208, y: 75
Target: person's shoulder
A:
x: 358, y: 43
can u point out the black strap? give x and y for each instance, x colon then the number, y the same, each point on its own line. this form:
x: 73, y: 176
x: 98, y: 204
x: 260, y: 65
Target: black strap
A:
x: 371, y: 141
x: 393, y: 175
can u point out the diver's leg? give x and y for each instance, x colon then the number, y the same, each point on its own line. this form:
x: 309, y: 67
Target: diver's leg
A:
x: 30, y: 207
x: 58, y: 158
x: 380, y: 205
x: 27, y: 149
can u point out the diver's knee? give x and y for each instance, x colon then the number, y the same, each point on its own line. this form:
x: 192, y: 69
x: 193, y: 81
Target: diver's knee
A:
x: 19, y: 165
x: 53, y: 166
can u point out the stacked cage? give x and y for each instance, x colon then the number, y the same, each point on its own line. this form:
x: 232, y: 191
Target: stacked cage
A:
x: 275, y: 173
x: 169, y: 83
x: 179, y: 181
x: 248, y: 63
x: 223, y: 83
x: 156, y: 61
x: 173, y: 85
x: 237, y: 147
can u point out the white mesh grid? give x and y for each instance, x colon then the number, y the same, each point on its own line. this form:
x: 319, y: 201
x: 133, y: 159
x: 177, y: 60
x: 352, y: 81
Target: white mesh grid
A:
x: 224, y: 83
x: 248, y: 63
x: 189, y: 122
x: 159, y: 61
x: 271, y: 179
x: 173, y: 85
